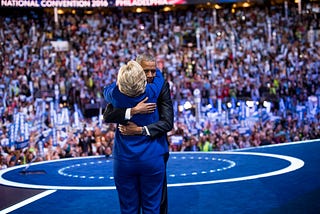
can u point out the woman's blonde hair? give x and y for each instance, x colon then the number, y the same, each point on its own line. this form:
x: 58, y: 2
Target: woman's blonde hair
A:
x: 132, y: 79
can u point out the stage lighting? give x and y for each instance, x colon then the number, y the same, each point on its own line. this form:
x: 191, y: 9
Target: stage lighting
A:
x: 166, y: 9
x: 60, y: 11
x: 217, y: 7
x: 246, y: 4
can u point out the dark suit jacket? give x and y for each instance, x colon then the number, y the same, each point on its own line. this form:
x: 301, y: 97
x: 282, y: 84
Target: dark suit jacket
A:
x: 165, y: 108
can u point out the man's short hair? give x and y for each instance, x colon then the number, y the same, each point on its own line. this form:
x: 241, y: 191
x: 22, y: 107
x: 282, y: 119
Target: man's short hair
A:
x: 145, y: 57
x: 131, y: 79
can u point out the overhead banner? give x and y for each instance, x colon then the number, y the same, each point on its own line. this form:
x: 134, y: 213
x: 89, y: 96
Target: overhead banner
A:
x: 100, y: 3
x: 86, y: 3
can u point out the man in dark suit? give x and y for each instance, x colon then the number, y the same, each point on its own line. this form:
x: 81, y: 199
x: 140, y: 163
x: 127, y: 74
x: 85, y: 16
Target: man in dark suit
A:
x: 158, y: 129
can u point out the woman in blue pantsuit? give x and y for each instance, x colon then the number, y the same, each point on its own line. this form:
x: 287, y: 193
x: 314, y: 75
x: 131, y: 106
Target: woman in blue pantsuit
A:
x: 138, y: 160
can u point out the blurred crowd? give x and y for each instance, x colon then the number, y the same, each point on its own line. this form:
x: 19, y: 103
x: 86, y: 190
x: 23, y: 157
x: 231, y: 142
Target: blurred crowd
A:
x: 250, y: 54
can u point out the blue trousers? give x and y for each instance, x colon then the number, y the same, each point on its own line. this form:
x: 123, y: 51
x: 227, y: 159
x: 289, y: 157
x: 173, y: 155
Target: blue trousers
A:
x: 139, y: 185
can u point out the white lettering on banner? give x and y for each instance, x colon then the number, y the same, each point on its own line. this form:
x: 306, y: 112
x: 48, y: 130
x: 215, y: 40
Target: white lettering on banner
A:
x: 81, y: 3
x: 175, y: 139
x: 99, y: 3
x: 57, y: 3
x: 123, y: 2
x: 20, y: 3
x: 141, y: 2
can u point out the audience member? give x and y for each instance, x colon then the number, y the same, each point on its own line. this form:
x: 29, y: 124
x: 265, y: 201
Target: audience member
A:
x: 252, y: 54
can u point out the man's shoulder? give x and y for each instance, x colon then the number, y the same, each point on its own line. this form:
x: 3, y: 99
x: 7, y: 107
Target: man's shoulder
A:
x: 165, y: 90
x: 165, y: 86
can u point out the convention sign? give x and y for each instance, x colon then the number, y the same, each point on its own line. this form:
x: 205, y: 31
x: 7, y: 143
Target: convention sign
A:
x: 101, y: 3
x: 86, y: 3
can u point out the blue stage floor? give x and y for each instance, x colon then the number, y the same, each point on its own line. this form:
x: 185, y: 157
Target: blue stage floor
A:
x: 274, y: 179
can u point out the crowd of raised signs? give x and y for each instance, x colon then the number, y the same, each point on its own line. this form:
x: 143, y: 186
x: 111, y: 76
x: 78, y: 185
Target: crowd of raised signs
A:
x: 257, y: 71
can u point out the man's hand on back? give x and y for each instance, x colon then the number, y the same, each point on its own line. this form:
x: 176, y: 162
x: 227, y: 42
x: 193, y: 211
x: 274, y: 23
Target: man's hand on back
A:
x: 143, y: 107
x: 130, y: 129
